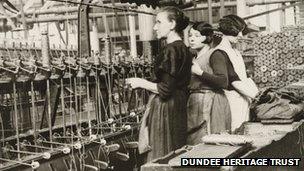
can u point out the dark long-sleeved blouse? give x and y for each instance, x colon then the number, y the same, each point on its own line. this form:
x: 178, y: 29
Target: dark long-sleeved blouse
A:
x: 173, y: 69
x: 168, y: 110
x: 221, y: 78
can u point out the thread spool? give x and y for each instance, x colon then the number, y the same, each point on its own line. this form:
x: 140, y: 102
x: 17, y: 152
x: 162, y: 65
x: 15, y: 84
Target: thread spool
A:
x: 265, y: 40
x: 272, y: 51
x: 274, y: 73
x: 127, y: 127
x: 271, y: 40
x: 276, y: 67
x: 132, y: 114
x: 110, y: 120
x: 267, y: 74
x: 290, y: 77
x: 77, y: 146
x: 103, y: 141
x: 257, y: 79
x: 280, y: 73
x: 263, y: 68
x: 280, y: 61
x: 267, y: 61
x: 268, y: 46
x: 293, y: 72
x: 264, y: 79
x: 293, y: 60
x: 93, y: 137
x: 66, y: 150
x: 35, y: 165
x: 289, y: 65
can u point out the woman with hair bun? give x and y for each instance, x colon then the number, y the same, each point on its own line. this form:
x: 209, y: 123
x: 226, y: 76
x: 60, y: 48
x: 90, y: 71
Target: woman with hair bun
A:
x: 244, y: 89
x: 208, y: 108
x: 163, y: 127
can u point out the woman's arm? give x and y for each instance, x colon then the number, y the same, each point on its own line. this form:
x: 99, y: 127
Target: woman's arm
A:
x: 245, y: 89
x: 150, y: 86
x: 218, y: 63
x: 167, y: 71
x: 164, y: 88
x: 142, y: 83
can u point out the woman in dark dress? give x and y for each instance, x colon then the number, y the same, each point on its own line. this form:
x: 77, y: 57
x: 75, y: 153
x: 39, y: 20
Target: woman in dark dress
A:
x: 165, y: 117
x: 208, y: 108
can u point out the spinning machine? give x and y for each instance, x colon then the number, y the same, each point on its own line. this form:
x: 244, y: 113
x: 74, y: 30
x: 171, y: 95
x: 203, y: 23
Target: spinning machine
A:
x: 63, y: 109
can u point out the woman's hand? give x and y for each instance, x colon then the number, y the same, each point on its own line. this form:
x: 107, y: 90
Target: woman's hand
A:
x: 135, y: 82
x: 196, y: 69
x: 142, y: 83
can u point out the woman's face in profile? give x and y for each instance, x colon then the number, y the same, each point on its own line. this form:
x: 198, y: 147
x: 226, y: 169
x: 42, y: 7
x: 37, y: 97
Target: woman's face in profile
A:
x: 162, y: 25
x: 196, y: 39
x: 235, y: 39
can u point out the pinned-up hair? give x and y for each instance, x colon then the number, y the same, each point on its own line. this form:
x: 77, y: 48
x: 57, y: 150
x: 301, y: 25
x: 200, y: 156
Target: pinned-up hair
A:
x: 178, y: 16
x: 232, y: 25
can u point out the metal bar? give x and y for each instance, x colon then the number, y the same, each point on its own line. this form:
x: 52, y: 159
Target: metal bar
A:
x: 84, y: 43
x: 90, y: 139
x: 222, y: 8
x: 119, y: 27
x: 115, y: 121
x: 49, y: 109
x: 77, y: 114
x: 60, y: 35
x: 273, y: 10
x: 266, y: 2
x: 98, y: 96
x: 70, y: 17
x: 267, y: 19
x: 105, y: 22
x: 61, y: 79
x: 16, y: 117
x: 33, y: 112
x: 104, y: 6
x: 210, y: 11
x: 132, y: 36
x: 283, y: 16
x: 94, y: 38
x: 65, y: 150
x: 23, y: 20
x: 90, y: 167
x: 45, y: 155
x: 213, y: 5
x: 66, y: 33
x: 241, y: 8
x: 59, y: 10
x: 34, y: 165
x: 63, y: 106
x: 76, y: 145
x: 88, y: 103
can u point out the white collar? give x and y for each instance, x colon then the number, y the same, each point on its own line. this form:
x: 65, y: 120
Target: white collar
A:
x: 203, y: 51
x: 225, y: 42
